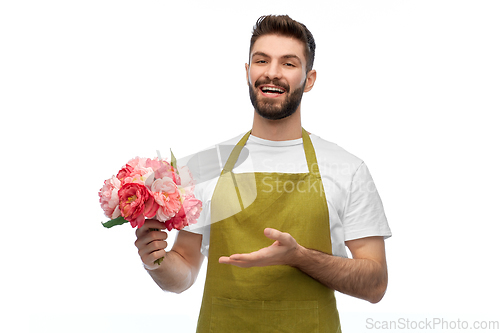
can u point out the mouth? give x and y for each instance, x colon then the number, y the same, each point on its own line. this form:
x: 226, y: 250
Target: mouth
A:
x: 272, y: 91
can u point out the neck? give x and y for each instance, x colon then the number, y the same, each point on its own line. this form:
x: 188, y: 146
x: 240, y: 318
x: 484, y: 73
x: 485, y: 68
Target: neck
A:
x: 289, y: 128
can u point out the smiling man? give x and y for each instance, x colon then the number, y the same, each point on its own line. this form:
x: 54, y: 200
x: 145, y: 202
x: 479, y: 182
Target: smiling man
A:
x: 275, y: 263
x: 271, y: 76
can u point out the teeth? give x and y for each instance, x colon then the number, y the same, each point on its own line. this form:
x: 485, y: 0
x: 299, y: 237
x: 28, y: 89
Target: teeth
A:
x: 273, y: 89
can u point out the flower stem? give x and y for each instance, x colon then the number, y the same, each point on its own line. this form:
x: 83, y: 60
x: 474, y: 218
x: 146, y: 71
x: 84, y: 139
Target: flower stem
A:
x: 158, y: 261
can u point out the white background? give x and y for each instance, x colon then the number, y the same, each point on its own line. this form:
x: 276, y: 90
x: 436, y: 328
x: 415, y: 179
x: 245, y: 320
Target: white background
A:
x: 411, y: 87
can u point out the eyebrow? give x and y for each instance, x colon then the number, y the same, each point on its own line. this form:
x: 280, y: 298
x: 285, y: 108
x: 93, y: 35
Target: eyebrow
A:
x: 286, y: 56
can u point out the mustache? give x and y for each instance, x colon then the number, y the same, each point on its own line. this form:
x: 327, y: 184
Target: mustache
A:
x: 276, y: 83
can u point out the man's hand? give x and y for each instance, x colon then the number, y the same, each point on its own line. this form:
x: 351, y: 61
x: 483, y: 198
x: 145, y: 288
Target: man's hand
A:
x: 281, y: 252
x: 364, y: 276
x: 180, y: 267
x: 151, y: 243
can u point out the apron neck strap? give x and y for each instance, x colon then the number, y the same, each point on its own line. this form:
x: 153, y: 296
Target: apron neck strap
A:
x: 312, y: 162
x: 235, y: 153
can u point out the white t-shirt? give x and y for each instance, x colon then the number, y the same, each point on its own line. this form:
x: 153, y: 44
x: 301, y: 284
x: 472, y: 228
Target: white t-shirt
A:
x: 354, y: 205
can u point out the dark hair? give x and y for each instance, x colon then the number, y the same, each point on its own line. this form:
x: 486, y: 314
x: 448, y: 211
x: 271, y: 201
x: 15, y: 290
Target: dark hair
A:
x: 285, y: 26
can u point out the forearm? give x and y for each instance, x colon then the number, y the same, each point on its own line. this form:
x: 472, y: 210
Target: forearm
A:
x: 361, y: 278
x: 173, y: 274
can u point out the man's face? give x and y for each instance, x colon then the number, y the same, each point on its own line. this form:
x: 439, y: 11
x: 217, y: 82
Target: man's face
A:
x: 277, y: 76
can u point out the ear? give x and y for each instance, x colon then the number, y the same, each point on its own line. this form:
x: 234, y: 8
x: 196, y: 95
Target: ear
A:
x: 310, y: 79
x: 247, y: 68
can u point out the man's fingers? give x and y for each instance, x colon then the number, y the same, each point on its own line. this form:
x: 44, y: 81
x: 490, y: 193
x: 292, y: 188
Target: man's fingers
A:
x: 149, y: 236
x: 231, y: 261
x: 150, y: 258
x: 244, y: 258
x: 224, y: 260
x: 271, y: 255
x: 153, y: 224
x: 150, y: 240
x: 274, y: 234
x: 239, y: 257
x: 149, y: 224
x: 233, y: 258
x: 270, y: 233
x: 152, y: 247
x: 275, y: 254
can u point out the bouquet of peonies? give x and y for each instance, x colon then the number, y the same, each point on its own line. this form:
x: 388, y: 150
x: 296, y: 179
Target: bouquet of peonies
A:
x: 150, y: 188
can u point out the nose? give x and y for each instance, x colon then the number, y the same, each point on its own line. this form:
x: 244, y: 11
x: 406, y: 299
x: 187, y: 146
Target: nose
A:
x: 273, y: 71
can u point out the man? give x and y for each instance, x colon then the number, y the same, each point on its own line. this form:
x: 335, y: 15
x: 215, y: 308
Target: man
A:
x: 274, y: 264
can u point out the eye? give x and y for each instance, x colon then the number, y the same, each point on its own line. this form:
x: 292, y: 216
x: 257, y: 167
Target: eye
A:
x: 288, y: 64
x: 260, y: 62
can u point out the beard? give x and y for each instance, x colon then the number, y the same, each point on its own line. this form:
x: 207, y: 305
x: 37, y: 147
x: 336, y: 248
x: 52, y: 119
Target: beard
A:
x: 272, y: 109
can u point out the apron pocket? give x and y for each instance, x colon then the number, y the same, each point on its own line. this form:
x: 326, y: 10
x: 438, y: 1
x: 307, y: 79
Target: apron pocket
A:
x: 234, y: 315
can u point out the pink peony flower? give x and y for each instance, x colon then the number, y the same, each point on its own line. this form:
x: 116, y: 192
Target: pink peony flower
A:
x: 108, y: 197
x: 165, y: 169
x: 132, y: 172
x: 137, y: 161
x: 145, y: 188
x: 154, y: 163
x: 136, y: 203
x: 178, y: 222
x: 188, y: 214
x: 167, y: 196
x: 141, y: 175
x: 192, y: 208
x: 186, y: 176
x: 124, y: 172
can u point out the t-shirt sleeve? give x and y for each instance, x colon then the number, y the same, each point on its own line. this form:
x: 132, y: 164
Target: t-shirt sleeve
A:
x: 205, y: 232
x: 202, y: 226
x: 364, y: 214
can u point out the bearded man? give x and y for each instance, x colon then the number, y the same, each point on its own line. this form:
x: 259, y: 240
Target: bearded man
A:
x: 276, y: 225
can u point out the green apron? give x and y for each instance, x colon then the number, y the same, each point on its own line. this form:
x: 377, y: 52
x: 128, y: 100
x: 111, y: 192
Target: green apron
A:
x: 273, y: 298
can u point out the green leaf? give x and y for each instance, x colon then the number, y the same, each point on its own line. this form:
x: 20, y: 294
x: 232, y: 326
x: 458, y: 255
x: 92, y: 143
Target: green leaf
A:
x: 173, y: 161
x: 111, y: 223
